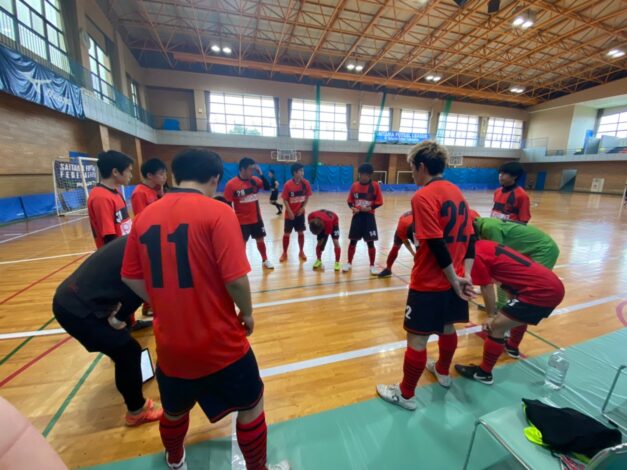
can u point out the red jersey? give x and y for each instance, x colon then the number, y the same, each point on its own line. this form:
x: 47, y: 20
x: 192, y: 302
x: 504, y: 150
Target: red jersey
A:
x: 365, y: 195
x: 108, y: 214
x: 526, y: 280
x: 142, y: 196
x: 186, y: 247
x: 511, y: 204
x: 244, y: 194
x: 296, y: 194
x: 440, y: 211
x: 404, y: 228
x: 330, y: 220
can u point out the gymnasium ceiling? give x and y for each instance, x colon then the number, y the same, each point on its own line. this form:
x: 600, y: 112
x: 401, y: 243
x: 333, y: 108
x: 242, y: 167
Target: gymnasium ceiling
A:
x: 399, y: 43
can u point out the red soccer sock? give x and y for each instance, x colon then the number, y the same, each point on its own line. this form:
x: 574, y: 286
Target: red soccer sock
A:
x: 318, y: 252
x: 252, y: 439
x: 286, y: 242
x: 516, y: 335
x: 413, y: 366
x: 338, y: 252
x: 261, y: 246
x: 173, y: 435
x: 372, y: 254
x: 301, y: 241
x: 492, y: 349
x: 351, y: 252
x: 392, y: 256
x: 447, y: 345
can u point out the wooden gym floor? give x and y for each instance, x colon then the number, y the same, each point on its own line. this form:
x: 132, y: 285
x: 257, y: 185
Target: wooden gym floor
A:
x: 322, y: 339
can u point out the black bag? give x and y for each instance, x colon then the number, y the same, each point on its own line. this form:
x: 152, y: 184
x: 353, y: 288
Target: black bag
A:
x: 566, y: 430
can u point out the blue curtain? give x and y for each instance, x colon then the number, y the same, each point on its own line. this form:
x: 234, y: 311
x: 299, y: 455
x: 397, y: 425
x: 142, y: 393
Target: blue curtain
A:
x: 31, y: 81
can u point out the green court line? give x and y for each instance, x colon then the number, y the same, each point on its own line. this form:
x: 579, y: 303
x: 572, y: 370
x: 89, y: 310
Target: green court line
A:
x: 71, y: 396
x: 23, y: 343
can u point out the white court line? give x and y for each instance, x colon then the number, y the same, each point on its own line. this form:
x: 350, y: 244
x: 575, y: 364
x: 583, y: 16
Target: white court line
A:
x: 42, y: 230
x: 28, y: 260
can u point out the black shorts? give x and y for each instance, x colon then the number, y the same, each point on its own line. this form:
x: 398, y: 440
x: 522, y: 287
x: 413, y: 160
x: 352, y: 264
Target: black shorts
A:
x: 427, y: 312
x: 274, y: 195
x: 397, y: 240
x: 335, y: 235
x: 297, y: 223
x: 523, y: 312
x: 236, y: 387
x: 95, y: 334
x: 253, y: 230
x: 363, y: 225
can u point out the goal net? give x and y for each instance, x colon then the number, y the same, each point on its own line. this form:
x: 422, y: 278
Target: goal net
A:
x: 73, y: 179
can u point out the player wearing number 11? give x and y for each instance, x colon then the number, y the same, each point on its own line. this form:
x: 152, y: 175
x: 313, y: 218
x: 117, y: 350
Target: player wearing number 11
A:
x: 186, y: 255
x: 440, y: 279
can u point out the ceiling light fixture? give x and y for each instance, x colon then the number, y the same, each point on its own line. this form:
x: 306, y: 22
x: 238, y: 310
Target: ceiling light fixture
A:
x: 350, y: 66
x: 616, y: 53
x: 359, y: 68
x: 524, y: 20
x: 227, y: 50
x: 437, y: 78
x: 517, y: 89
x: 215, y: 48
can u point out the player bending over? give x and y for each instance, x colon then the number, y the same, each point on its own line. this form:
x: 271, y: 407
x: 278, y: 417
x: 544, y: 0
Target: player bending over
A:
x: 324, y: 223
x: 404, y: 235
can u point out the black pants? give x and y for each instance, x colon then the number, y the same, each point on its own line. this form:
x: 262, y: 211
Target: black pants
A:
x: 96, y: 335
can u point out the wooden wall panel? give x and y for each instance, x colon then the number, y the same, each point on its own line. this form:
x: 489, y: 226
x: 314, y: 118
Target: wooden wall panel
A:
x: 614, y: 173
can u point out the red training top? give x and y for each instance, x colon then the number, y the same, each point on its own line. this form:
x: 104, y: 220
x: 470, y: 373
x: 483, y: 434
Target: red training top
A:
x: 330, y: 220
x: 108, y: 214
x: 144, y: 195
x: 245, y: 198
x: 511, y: 204
x: 295, y: 194
x: 365, y: 195
x: 405, y: 223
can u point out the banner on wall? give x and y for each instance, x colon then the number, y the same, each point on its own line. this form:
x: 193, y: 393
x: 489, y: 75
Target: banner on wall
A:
x: 70, y: 174
x: 393, y: 137
x: 26, y: 79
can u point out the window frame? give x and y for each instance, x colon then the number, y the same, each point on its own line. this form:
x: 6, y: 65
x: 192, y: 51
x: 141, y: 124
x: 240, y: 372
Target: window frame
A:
x: 96, y: 75
x: 459, y: 135
x: 497, y: 127
x: 303, y: 120
x: 617, y: 129
x: 224, y: 122
x: 372, y: 114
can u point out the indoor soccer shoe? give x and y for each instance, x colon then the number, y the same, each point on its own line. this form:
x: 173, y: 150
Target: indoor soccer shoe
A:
x: 283, y: 465
x: 474, y: 372
x: 302, y: 256
x: 182, y: 465
x: 149, y: 414
x: 283, y: 258
x: 147, y: 310
x: 392, y: 394
x: 268, y: 264
x: 444, y: 380
x: 337, y: 266
x: 318, y: 265
x: 347, y: 267
x: 141, y: 324
x: 374, y: 271
x: 512, y: 351
x: 385, y: 273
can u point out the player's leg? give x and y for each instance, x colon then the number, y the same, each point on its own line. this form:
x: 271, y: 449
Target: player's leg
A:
x: 320, y: 246
x: 370, y: 236
x: 299, y: 225
x: 287, y: 230
x: 354, y: 235
x: 337, y: 250
x: 259, y: 233
x: 392, y: 255
x: 178, y: 398
x: 352, y: 247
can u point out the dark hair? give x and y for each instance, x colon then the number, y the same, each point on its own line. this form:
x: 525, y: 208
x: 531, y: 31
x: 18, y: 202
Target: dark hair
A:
x: 296, y: 166
x: 245, y: 163
x: 433, y: 155
x: 514, y: 169
x: 197, y: 165
x: 271, y: 171
x: 365, y: 169
x: 154, y: 165
x: 113, y: 160
x: 316, y: 226
x: 222, y: 199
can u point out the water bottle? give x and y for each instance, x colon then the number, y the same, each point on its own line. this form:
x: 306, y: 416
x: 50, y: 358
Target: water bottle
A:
x: 556, y: 371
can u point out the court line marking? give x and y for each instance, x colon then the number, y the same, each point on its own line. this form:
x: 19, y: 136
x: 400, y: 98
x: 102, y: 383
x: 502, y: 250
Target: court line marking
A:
x: 28, y: 260
x: 23, y: 343
x: 41, y: 230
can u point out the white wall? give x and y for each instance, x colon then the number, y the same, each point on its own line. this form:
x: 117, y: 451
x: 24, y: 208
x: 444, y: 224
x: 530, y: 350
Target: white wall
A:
x: 584, y: 119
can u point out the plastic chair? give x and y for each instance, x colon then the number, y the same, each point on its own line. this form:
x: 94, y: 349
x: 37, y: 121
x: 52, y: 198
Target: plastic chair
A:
x: 609, y: 395
x: 612, y: 458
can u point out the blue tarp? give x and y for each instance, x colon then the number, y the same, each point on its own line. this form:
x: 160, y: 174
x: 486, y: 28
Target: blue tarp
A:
x: 25, y: 78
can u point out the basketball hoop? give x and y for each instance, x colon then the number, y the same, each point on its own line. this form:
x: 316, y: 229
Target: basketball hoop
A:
x: 287, y: 156
x: 455, y: 161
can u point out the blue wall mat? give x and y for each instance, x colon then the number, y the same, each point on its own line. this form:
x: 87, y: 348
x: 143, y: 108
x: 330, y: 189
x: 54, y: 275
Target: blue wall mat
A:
x: 128, y: 191
x: 473, y: 178
x: 36, y: 205
x: 11, y: 209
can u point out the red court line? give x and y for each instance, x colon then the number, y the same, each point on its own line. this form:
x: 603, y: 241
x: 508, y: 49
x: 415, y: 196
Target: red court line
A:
x: 33, y: 361
x: 620, y: 313
x: 33, y: 284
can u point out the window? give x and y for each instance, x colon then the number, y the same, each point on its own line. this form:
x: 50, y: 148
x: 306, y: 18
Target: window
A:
x: 504, y: 133
x: 100, y: 66
x: 39, y: 28
x: 414, y: 121
x: 333, y: 124
x: 614, y: 125
x: 458, y: 129
x: 368, y: 122
x: 242, y: 114
x: 134, y: 97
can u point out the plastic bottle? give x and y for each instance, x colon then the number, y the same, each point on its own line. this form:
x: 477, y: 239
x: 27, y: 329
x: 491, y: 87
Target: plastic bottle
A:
x: 556, y: 370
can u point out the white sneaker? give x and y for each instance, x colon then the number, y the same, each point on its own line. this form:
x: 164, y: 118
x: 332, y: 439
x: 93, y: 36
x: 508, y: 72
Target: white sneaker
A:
x: 282, y: 465
x: 444, y: 380
x: 182, y: 465
x: 347, y: 267
x: 392, y: 394
x: 374, y: 271
x: 268, y: 264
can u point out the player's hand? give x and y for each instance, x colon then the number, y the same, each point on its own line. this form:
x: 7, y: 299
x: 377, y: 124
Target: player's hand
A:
x: 114, y: 322
x: 355, y: 210
x: 463, y: 289
x: 300, y: 211
x: 247, y: 322
x: 364, y: 209
x: 290, y: 215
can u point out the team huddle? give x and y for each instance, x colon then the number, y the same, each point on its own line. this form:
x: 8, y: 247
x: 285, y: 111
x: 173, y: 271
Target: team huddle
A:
x: 184, y: 240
